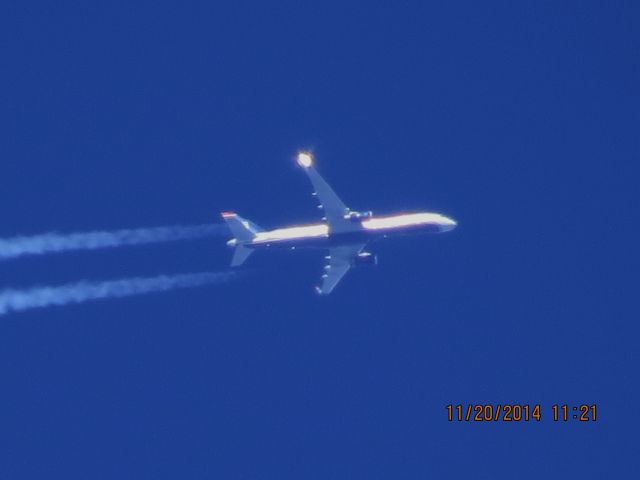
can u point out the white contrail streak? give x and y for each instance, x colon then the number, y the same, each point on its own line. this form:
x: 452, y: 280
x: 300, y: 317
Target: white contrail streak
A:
x: 12, y: 300
x: 57, y: 242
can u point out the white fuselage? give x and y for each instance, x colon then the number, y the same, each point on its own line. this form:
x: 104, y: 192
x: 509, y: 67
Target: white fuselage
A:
x: 319, y: 235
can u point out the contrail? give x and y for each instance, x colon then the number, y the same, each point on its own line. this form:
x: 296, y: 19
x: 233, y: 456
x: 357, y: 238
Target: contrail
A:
x: 12, y: 300
x: 57, y: 242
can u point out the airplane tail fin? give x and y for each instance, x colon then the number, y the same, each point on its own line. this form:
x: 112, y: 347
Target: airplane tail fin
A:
x: 243, y: 230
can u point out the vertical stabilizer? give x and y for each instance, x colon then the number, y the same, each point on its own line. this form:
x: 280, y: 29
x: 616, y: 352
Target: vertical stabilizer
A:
x: 244, y: 232
x: 242, y: 229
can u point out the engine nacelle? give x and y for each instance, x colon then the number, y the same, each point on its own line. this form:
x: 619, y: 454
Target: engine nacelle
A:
x: 365, y: 259
x: 355, y: 216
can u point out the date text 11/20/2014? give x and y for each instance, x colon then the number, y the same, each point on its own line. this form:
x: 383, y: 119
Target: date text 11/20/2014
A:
x: 520, y: 412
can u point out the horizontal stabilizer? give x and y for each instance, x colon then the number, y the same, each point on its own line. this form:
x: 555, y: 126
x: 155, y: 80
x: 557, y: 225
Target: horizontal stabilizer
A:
x: 240, y: 255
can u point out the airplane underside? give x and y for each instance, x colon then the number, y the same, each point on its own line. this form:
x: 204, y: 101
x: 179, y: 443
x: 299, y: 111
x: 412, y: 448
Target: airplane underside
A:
x: 344, y: 233
x: 341, y: 238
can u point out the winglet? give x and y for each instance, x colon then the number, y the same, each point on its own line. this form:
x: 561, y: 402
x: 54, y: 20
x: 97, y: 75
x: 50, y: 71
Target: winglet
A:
x: 228, y: 214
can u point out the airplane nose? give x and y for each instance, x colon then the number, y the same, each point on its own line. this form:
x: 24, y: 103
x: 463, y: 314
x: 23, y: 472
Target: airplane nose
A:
x: 448, y: 224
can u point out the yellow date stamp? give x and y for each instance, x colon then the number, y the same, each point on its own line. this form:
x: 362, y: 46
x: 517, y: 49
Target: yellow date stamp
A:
x: 520, y: 412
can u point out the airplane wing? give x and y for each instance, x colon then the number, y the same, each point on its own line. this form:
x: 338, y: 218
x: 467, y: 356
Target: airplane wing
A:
x: 340, y: 260
x: 334, y: 208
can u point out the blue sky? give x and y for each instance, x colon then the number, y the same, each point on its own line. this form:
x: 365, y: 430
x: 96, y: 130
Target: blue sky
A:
x: 519, y: 119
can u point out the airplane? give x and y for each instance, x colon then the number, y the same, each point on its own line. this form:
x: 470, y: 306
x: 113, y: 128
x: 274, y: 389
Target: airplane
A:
x: 343, y: 232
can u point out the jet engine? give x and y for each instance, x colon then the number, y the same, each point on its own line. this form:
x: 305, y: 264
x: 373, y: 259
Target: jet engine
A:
x: 365, y: 259
x: 355, y: 216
